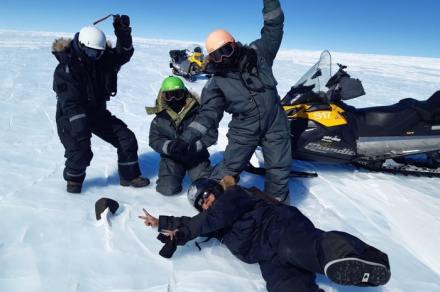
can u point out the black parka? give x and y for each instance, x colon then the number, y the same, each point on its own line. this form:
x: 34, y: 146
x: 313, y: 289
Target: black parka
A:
x: 238, y: 218
x: 83, y: 87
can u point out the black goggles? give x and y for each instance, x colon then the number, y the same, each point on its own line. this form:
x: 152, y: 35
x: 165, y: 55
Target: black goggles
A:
x: 202, y: 197
x: 178, y: 94
x: 223, y: 52
x: 93, y: 54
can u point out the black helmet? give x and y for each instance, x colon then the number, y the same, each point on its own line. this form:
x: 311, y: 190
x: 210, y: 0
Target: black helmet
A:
x: 200, y: 188
x: 197, y: 50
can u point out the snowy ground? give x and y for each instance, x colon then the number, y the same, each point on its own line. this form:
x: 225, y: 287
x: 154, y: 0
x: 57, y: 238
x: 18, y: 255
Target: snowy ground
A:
x: 50, y: 240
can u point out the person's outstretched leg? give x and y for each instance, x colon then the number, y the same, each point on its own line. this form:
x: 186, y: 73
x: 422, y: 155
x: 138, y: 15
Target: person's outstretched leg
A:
x: 114, y: 131
x: 343, y: 258
x: 277, y: 157
x: 281, y: 277
x: 350, y: 261
x: 237, y: 154
x: 78, y: 155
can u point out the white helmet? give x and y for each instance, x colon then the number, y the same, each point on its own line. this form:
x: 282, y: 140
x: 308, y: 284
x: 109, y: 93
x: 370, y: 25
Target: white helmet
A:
x: 92, y: 37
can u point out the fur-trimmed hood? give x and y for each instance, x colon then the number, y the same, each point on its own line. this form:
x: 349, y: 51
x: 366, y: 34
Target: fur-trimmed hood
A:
x: 60, y: 45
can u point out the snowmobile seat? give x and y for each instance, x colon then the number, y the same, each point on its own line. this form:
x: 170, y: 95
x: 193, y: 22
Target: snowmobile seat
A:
x: 391, y: 120
x: 428, y: 110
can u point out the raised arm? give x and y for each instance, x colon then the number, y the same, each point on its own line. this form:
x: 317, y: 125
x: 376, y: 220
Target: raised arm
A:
x: 209, y: 116
x: 124, y: 43
x: 272, y: 31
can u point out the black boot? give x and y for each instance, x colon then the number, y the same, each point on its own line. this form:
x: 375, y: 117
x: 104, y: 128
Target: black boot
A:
x: 371, y: 268
x: 138, y: 182
x: 74, y: 187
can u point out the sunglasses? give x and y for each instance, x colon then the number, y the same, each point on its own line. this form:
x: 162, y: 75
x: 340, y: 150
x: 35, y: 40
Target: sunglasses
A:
x: 177, y: 95
x: 91, y: 53
x: 225, y: 51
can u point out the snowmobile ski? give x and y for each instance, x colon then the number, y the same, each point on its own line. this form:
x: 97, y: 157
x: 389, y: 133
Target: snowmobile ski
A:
x: 402, y: 169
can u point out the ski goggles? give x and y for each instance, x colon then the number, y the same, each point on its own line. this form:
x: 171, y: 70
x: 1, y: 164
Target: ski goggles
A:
x: 93, y: 54
x: 178, y: 94
x: 225, y: 51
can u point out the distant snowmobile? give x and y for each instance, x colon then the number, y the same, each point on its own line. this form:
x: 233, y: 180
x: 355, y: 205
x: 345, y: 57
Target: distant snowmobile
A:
x: 187, y: 64
x: 325, y: 129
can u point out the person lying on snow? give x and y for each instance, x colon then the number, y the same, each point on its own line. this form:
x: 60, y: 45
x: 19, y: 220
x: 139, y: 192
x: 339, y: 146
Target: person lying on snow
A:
x: 288, y: 247
x: 175, y: 109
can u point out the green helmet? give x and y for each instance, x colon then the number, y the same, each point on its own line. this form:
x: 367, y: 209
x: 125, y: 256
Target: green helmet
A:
x: 172, y: 83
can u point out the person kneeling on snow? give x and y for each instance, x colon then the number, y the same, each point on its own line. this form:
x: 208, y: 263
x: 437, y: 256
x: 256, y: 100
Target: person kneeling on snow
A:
x: 84, y: 80
x: 288, y: 247
x: 175, y: 109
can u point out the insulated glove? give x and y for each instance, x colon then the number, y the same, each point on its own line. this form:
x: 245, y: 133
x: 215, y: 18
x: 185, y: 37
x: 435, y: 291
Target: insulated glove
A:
x: 196, y: 147
x: 169, y: 248
x: 178, y: 147
x: 121, y: 23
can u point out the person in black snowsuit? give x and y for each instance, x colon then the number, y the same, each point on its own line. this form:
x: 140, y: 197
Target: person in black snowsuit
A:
x: 84, y: 80
x: 244, y: 86
x: 258, y: 229
x: 175, y: 109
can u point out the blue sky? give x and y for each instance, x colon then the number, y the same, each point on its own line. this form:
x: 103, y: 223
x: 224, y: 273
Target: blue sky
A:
x: 396, y: 27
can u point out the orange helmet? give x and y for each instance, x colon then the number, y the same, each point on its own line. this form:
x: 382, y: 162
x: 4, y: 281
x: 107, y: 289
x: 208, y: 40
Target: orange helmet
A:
x: 218, y: 39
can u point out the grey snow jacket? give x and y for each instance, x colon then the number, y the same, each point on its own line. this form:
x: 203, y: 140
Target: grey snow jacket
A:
x: 253, y: 112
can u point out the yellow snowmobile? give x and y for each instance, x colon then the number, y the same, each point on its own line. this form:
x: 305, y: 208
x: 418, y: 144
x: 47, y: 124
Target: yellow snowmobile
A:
x: 187, y: 64
x: 325, y: 129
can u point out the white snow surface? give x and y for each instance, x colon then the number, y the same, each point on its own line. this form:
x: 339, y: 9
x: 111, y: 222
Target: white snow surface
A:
x: 51, y: 241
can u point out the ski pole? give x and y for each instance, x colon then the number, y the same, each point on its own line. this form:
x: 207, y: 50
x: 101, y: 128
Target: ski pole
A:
x: 102, y: 19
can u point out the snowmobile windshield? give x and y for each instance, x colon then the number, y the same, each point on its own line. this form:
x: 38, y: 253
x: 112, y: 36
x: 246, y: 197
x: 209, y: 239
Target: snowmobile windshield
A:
x: 318, y: 75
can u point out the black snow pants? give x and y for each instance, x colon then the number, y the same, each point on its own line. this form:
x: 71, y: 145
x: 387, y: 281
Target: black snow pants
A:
x: 78, y: 153
x: 303, y: 250
x: 172, y: 172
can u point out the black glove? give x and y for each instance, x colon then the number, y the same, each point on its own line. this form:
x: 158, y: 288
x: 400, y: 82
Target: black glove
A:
x: 178, y: 147
x: 121, y: 23
x: 196, y: 147
x: 169, y: 248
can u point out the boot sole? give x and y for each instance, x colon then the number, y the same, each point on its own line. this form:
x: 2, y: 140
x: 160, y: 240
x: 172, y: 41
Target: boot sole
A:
x: 73, y: 191
x: 358, y: 272
x: 124, y: 183
x: 128, y: 184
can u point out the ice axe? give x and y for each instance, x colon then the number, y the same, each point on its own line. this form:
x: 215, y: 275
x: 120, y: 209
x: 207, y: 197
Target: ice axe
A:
x: 119, y: 21
x: 104, y: 18
x: 103, y: 204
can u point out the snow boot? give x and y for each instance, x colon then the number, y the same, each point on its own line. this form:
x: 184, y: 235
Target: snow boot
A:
x: 371, y: 268
x: 74, y: 187
x: 138, y: 182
